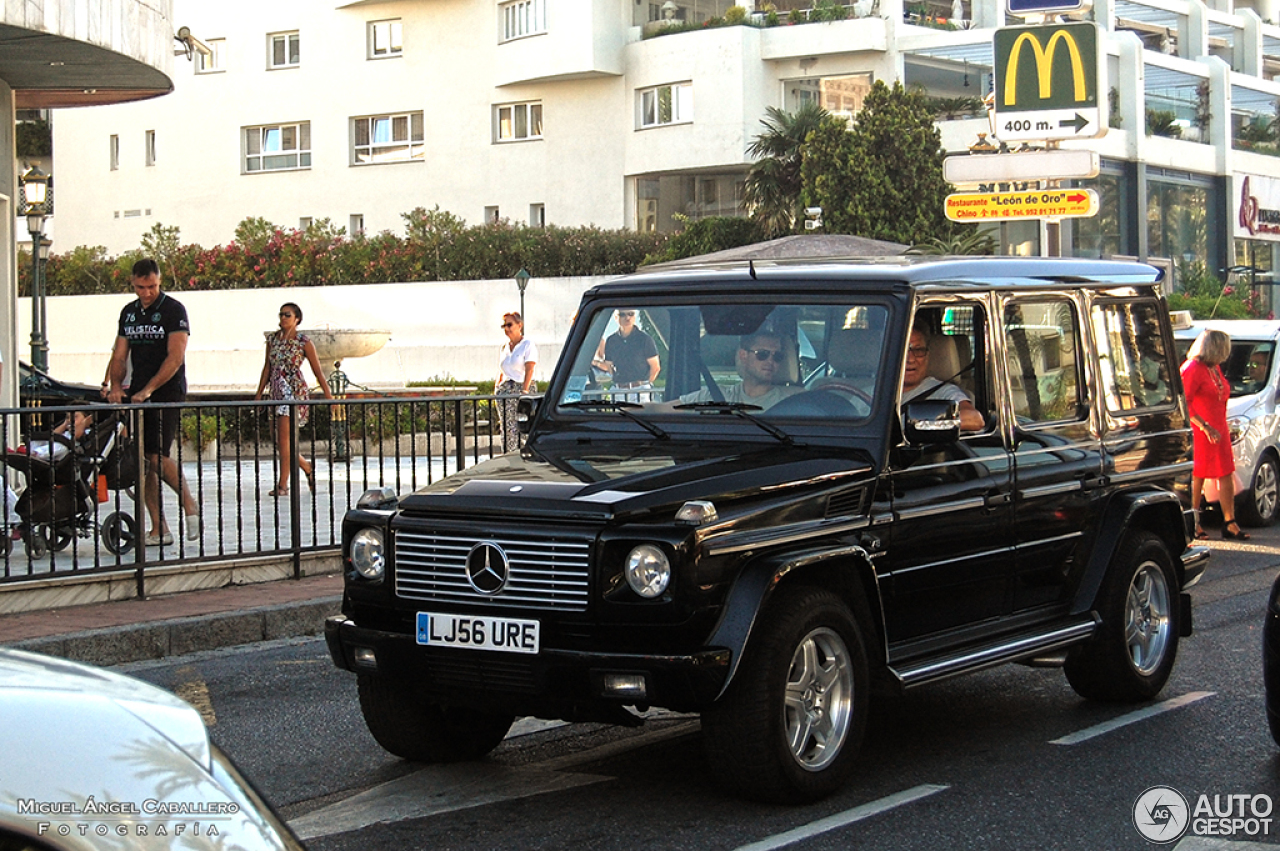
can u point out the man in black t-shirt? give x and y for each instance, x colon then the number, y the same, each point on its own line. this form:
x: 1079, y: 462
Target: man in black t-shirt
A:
x: 629, y: 354
x: 152, y: 341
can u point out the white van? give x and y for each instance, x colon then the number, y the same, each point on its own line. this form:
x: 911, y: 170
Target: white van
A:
x: 1251, y: 412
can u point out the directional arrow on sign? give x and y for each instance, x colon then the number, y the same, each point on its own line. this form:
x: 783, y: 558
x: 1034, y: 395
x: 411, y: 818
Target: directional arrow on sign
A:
x: 1079, y: 122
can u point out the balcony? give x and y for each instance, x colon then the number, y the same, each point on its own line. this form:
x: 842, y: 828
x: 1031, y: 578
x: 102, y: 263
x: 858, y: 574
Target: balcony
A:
x: 585, y: 41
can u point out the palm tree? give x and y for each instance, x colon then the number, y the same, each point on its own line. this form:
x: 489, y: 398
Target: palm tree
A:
x: 968, y: 241
x: 773, y: 183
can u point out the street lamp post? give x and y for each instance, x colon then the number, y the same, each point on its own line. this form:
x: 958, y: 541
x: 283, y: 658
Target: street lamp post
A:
x: 522, y: 281
x: 35, y: 194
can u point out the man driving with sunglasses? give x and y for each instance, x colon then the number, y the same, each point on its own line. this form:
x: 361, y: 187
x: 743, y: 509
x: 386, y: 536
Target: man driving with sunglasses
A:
x: 759, y: 360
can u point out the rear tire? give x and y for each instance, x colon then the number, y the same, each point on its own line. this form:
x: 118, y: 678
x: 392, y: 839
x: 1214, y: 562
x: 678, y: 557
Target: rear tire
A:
x: 58, y: 536
x: 409, y: 725
x: 789, y: 727
x: 1132, y: 655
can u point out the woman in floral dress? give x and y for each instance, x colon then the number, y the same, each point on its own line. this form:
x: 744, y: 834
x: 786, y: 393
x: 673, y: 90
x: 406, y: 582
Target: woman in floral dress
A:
x: 282, y: 375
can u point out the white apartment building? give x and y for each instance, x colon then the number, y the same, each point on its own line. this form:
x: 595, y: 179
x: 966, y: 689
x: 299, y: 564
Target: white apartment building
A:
x: 564, y: 112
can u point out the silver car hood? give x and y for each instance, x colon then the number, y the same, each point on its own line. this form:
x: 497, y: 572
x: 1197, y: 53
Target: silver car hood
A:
x: 92, y: 759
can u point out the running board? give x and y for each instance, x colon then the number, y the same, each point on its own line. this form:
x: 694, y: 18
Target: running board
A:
x: 1009, y: 649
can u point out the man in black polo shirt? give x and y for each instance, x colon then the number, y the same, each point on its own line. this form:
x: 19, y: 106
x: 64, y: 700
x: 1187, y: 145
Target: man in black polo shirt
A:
x: 629, y: 354
x: 152, y: 339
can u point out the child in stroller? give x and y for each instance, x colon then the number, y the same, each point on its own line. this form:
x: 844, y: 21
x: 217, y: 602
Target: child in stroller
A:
x: 63, y: 469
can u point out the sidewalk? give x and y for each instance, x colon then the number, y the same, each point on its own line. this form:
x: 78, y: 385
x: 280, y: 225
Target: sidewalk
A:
x: 132, y: 630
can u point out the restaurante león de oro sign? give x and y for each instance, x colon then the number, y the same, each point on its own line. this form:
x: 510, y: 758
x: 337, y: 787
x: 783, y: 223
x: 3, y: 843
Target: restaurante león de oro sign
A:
x: 1037, y: 204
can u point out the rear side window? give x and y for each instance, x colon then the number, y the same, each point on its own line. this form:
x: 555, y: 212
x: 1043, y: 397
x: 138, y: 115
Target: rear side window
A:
x: 1132, y: 354
x: 1043, y: 351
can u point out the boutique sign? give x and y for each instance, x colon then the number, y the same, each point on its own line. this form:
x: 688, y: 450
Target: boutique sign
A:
x: 1257, y: 207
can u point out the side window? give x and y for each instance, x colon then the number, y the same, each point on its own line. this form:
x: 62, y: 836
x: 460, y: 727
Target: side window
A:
x: 1042, y: 349
x: 945, y: 359
x: 1135, y: 368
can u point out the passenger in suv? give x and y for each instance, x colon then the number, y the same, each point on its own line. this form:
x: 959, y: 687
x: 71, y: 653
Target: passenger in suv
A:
x: 766, y: 566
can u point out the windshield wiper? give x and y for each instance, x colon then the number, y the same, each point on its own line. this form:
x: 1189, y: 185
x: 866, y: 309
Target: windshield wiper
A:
x: 621, y: 406
x: 740, y: 410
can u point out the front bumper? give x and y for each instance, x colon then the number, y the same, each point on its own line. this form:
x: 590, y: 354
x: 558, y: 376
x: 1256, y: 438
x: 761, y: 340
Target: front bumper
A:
x: 559, y: 683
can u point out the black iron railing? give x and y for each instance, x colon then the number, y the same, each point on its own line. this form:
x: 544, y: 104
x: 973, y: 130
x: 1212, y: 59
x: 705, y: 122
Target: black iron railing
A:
x: 80, y: 509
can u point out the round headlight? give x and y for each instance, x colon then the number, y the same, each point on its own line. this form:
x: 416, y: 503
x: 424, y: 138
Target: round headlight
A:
x: 367, y: 553
x: 648, y: 571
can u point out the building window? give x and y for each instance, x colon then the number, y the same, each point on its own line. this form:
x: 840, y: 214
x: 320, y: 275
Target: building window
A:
x: 516, y: 122
x: 356, y: 224
x: 491, y: 214
x: 283, y: 50
x: 304, y: 222
x: 278, y: 147
x: 114, y: 147
x: 693, y: 196
x: 384, y: 39
x: 387, y: 138
x: 671, y: 104
x: 212, y: 62
x: 841, y: 96
x: 151, y: 147
x: 537, y: 215
x: 522, y: 18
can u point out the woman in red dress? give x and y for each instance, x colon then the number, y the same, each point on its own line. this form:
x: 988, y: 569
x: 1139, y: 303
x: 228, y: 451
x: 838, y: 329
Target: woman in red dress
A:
x: 1207, y: 393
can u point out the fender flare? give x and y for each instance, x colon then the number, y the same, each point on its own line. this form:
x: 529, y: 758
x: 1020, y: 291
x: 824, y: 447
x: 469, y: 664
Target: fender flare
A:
x: 1162, y: 511
x: 755, y: 585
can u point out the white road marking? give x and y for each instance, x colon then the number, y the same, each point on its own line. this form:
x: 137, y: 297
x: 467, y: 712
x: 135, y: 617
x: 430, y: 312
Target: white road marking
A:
x: 1132, y: 718
x: 843, y: 819
x: 435, y: 790
x: 1205, y: 843
x: 446, y: 788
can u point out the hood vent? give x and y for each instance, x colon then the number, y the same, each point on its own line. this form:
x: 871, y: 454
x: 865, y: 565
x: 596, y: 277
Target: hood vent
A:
x: 851, y: 501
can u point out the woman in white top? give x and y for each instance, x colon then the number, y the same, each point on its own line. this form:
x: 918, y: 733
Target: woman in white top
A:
x: 515, y: 374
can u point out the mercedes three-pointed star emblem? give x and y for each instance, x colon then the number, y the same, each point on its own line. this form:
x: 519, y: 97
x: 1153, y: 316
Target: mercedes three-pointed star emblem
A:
x: 488, y: 568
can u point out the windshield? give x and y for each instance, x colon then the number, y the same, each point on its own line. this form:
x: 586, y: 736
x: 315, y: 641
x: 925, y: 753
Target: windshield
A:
x: 771, y: 360
x: 1248, y: 367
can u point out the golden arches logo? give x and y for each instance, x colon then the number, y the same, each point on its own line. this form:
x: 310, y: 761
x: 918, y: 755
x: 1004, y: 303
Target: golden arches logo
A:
x: 1044, y: 66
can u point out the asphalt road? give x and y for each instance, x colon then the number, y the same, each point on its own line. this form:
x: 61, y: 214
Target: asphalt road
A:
x: 1009, y: 758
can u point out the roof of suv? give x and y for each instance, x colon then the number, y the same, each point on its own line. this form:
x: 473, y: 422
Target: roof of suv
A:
x: 915, y: 269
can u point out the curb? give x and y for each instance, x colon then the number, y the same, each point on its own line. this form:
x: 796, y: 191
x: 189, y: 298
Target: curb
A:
x: 175, y: 637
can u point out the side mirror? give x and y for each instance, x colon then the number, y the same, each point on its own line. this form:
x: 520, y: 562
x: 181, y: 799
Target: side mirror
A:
x: 526, y: 410
x: 931, y: 422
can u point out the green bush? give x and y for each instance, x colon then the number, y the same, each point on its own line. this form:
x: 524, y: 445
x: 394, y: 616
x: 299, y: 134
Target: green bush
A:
x: 703, y: 236
x: 438, y: 246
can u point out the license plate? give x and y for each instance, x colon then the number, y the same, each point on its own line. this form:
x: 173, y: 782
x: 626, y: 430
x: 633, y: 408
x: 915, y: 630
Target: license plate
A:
x: 508, y: 635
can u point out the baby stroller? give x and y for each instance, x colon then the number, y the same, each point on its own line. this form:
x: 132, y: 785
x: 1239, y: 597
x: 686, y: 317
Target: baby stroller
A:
x: 67, y: 477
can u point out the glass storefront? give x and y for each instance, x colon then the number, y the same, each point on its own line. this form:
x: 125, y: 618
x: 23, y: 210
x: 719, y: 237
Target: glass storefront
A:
x: 695, y: 196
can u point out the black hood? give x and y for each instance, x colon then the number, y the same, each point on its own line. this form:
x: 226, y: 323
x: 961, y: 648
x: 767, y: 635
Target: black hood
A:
x: 605, y: 481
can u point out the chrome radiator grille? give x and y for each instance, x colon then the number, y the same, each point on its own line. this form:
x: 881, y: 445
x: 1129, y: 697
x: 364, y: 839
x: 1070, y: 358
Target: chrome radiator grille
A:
x: 547, y: 571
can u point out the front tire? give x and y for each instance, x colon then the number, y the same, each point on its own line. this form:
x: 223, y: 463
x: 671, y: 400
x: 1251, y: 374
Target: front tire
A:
x: 1132, y: 655
x: 409, y: 725
x: 119, y: 533
x: 790, y: 725
x: 1262, y: 499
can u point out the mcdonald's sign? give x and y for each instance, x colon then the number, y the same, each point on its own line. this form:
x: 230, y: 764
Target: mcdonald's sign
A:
x: 1048, y: 82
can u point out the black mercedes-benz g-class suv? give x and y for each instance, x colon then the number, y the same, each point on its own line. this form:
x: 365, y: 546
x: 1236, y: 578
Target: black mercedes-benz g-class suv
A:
x: 763, y: 531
